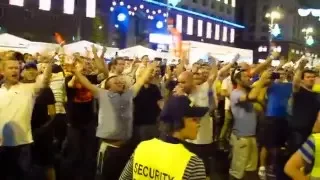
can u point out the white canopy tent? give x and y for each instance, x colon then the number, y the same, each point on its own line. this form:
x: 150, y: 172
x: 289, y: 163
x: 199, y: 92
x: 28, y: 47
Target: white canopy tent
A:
x: 81, y: 46
x: 139, y: 51
x: 11, y: 42
x: 40, y: 47
x: 199, y: 50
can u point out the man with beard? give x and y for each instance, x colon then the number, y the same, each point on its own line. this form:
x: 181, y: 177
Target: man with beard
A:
x: 245, y: 150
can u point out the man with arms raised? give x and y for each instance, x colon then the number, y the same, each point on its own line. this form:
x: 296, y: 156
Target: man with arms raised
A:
x: 16, y: 107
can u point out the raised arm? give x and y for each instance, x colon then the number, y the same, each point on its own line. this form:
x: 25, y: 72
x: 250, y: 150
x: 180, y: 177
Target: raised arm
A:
x: 263, y: 66
x: 254, y: 93
x: 227, y: 67
x: 84, y: 81
x: 297, y: 76
x: 99, y: 61
x: 144, y: 77
x: 44, y: 81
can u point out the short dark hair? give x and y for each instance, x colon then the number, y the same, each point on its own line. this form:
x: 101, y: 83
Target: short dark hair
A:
x: 144, y: 56
x: 115, y: 60
x: 307, y: 71
x: 236, y: 75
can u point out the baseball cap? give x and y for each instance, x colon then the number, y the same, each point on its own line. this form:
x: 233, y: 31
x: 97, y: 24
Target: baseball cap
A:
x: 178, y: 107
x: 30, y: 65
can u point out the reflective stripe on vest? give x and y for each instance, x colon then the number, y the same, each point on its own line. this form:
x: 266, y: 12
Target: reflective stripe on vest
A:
x: 156, y: 159
x: 316, y: 167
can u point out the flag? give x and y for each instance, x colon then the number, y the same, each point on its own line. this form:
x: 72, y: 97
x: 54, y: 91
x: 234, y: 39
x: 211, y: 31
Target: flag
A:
x: 59, y: 39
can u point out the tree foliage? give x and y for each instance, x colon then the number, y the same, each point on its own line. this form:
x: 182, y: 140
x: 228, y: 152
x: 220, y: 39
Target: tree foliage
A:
x: 98, y: 30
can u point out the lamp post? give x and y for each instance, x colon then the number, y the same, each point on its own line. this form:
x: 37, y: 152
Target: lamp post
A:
x: 273, y: 16
x: 308, y: 39
x: 308, y: 35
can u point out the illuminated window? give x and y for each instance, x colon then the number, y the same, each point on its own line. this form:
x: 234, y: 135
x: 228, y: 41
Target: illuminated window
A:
x: 68, y: 6
x: 217, y: 32
x: 190, y: 26
x: 232, y: 33
x: 233, y: 3
x: 91, y: 8
x: 209, y: 30
x: 16, y: 2
x: 225, y: 34
x: 226, y: 1
x: 200, y: 26
x: 45, y: 5
x: 218, y: 0
x: 179, y: 23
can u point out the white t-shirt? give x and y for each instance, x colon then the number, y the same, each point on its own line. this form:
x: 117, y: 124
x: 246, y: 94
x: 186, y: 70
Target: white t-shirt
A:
x: 16, y: 106
x: 227, y: 85
x: 200, y: 98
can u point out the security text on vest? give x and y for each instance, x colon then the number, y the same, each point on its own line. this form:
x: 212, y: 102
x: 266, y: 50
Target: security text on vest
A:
x: 151, y: 173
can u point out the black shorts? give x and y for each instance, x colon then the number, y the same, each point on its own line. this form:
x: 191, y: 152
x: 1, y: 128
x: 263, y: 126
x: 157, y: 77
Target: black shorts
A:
x: 274, y: 132
x: 203, y: 151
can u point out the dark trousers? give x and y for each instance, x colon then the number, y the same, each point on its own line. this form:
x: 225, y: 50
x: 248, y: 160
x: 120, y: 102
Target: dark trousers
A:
x: 80, y: 156
x: 15, y: 162
x: 60, y: 130
x: 112, y: 160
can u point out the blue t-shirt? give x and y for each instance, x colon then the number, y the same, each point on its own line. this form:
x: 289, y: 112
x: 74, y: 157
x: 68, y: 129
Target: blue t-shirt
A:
x: 278, y: 96
x: 245, y: 117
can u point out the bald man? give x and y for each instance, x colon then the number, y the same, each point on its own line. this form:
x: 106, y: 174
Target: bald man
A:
x: 185, y: 82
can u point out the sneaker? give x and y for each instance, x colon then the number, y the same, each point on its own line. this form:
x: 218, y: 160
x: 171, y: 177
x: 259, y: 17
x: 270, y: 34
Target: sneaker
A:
x: 262, y: 173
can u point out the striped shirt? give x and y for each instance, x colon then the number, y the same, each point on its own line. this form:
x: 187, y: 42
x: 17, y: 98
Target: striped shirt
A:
x: 194, y: 171
x: 307, y: 150
x: 57, y: 86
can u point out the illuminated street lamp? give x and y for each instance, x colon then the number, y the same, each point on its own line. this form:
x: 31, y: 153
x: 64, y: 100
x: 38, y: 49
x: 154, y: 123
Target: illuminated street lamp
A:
x: 274, y: 28
x: 308, y: 30
x: 308, y: 35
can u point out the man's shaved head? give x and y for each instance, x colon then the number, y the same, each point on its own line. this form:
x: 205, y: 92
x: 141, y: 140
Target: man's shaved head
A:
x: 185, y: 80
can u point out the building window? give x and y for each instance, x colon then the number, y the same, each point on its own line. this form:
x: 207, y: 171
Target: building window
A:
x: 190, y: 26
x: 226, y: 1
x: 263, y: 38
x: 221, y: 8
x: 213, y: 6
x: 218, y: 0
x: 225, y: 34
x: 233, y: 3
x: 252, y: 29
x: 179, y: 23
x: 265, y: 29
x: 200, y: 26
x: 265, y: 8
x: 205, y: 2
x: 91, y: 8
x: 209, y: 30
x: 195, y: 1
x: 16, y: 2
x: 217, y: 32
x: 45, y: 5
x: 68, y: 6
x: 229, y: 11
x: 232, y: 35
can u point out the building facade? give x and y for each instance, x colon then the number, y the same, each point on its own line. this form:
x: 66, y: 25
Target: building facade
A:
x: 122, y: 23
x: 288, y: 38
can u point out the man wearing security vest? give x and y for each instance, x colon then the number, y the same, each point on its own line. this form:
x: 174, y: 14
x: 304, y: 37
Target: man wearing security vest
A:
x: 305, y: 163
x: 166, y: 158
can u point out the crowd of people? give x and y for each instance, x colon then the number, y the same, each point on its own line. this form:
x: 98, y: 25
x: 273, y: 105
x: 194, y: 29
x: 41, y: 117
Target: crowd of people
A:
x: 73, y: 117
